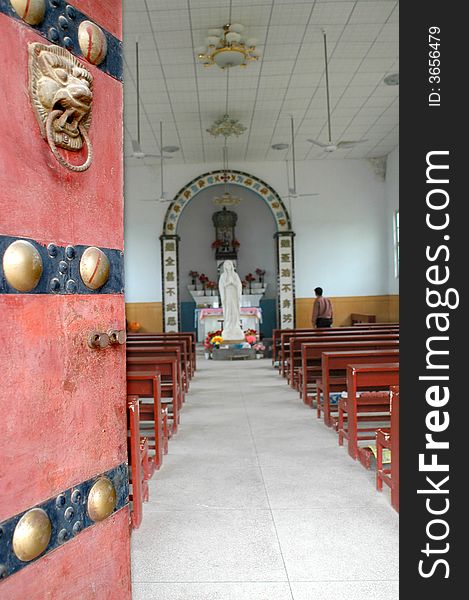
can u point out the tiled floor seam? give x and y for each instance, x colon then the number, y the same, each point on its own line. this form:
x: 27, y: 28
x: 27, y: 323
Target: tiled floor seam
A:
x: 265, y: 487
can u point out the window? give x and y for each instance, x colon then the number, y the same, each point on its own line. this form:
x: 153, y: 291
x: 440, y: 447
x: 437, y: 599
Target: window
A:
x: 396, y: 244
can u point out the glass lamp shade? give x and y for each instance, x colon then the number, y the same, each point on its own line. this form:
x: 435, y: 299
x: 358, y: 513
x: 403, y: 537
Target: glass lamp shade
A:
x: 211, y: 40
x: 252, y: 42
x: 232, y: 37
x: 237, y: 27
x: 215, y: 32
x: 228, y: 58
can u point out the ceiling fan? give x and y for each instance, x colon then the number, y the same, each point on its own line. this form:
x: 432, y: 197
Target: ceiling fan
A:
x: 329, y: 146
x: 163, y: 195
x: 292, y: 193
x: 137, y: 151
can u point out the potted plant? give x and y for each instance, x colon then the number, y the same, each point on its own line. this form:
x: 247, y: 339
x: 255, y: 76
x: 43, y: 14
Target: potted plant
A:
x: 250, y: 278
x: 203, y: 280
x: 193, y: 275
x: 260, y: 273
x: 259, y: 348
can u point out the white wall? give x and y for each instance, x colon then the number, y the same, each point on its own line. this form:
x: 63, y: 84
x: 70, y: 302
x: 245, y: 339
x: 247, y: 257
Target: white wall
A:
x: 341, y: 239
x: 392, y: 204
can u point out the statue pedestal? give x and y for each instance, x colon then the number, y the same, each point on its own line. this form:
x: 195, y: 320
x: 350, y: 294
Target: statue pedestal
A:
x: 232, y: 352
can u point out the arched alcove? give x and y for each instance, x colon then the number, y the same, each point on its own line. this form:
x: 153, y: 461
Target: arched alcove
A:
x: 170, y: 242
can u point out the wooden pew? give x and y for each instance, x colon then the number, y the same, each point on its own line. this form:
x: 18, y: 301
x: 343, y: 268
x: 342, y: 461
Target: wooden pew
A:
x: 311, y: 357
x: 389, y: 438
x: 379, y: 377
x: 160, y: 351
x: 189, y: 337
x: 138, y: 462
x: 167, y: 367
x: 334, y: 374
x: 160, y: 343
x: 294, y: 364
x: 145, y: 384
x: 285, y: 338
x: 277, y: 333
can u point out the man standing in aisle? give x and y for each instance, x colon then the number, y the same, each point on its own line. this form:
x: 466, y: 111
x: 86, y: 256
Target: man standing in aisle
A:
x: 322, y: 311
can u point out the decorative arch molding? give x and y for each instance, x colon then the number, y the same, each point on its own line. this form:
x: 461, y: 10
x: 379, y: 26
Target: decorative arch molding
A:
x: 245, y: 180
x: 284, y: 238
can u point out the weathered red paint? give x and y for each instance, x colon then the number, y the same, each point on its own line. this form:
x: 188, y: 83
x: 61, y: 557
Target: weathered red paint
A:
x: 63, y: 405
x: 93, y: 566
x: 62, y: 397
x: 105, y: 14
x: 81, y: 208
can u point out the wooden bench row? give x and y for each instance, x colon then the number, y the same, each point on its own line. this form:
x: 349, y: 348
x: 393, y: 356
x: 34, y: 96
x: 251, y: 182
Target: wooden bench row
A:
x: 159, y: 370
x: 363, y: 366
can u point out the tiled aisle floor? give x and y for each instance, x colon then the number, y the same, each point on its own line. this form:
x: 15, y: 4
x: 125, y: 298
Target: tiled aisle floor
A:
x: 256, y: 501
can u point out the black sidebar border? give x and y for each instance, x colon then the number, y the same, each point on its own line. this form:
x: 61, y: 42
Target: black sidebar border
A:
x: 433, y: 275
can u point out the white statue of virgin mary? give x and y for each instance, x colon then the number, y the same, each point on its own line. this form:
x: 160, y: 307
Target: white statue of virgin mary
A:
x: 230, y: 293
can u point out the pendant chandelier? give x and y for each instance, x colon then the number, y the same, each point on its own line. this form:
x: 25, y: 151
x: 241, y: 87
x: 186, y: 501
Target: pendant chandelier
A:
x: 226, y: 126
x: 227, y: 47
x: 226, y: 199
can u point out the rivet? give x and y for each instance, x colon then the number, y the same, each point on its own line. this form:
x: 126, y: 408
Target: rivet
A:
x: 3, y: 572
x: 22, y: 265
x: 94, y: 268
x: 32, y: 534
x: 63, y: 23
x: 52, y: 250
x: 69, y: 513
x: 53, y: 34
x: 71, y: 286
x: 62, y: 536
x: 102, y: 499
x: 76, y: 496
x: 31, y: 11
x: 54, y: 284
x: 71, y: 12
x: 63, y: 267
x: 77, y: 527
x: 68, y: 42
x: 70, y: 252
x: 92, y: 42
x: 60, y: 501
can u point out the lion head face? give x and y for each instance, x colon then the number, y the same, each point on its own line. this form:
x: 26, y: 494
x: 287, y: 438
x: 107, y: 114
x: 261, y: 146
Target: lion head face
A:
x: 57, y: 81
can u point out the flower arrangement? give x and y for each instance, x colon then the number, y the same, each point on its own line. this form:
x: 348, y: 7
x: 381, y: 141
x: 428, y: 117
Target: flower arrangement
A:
x: 216, y: 244
x: 203, y: 280
x: 250, y: 278
x: 217, y: 340
x: 250, y: 332
x: 211, y: 285
x: 259, y: 347
x: 209, y: 341
x: 193, y: 275
x: 236, y: 244
x: 251, y: 339
x: 260, y: 273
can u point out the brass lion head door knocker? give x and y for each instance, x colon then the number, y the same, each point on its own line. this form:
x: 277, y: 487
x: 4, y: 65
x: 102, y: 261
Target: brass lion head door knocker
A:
x: 61, y: 92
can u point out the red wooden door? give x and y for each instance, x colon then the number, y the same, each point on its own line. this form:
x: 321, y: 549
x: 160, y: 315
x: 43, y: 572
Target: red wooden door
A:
x: 64, y: 515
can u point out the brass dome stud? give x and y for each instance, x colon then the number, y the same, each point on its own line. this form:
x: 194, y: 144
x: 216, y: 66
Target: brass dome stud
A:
x: 31, y: 11
x: 22, y: 265
x: 94, y: 268
x: 32, y: 534
x: 102, y: 499
x: 92, y: 42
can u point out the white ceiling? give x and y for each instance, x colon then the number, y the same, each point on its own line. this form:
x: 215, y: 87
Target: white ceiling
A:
x: 362, y: 38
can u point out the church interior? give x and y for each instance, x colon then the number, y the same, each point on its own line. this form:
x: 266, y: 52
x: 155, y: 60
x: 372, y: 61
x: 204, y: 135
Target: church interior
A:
x: 191, y: 178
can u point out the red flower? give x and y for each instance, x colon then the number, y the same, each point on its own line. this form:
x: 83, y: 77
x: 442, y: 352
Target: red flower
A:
x: 250, y: 277
x: 216, y: 244
x: 236, y: 244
